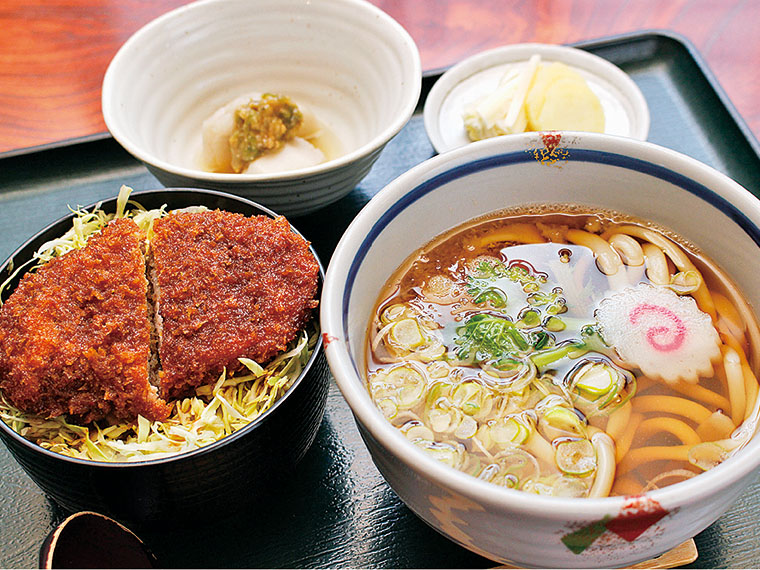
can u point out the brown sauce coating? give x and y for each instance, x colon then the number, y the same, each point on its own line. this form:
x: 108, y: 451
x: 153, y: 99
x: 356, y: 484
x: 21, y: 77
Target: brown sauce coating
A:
x: 75, y: 334
x: 227, y: 286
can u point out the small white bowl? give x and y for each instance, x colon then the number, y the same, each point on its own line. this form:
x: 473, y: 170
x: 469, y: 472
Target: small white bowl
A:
x: 625, y: 108
x: 351, y: 64
x: 638, y: 178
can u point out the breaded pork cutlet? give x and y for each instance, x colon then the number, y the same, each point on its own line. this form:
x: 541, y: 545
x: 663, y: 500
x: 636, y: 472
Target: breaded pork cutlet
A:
x: 226, y: 286
x: 75, y: 334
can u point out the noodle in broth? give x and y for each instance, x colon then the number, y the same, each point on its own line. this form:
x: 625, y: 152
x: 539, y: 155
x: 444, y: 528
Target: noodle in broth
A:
x: 566, y: 353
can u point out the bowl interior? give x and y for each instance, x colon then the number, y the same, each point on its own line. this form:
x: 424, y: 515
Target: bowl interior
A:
x: 353, y: 66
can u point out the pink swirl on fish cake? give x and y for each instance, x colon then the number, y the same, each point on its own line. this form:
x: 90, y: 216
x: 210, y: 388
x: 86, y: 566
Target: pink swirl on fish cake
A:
x: 654, y: 334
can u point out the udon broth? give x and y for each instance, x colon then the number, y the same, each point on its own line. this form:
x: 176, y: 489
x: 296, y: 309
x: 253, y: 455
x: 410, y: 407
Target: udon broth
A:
x: 565, y: 352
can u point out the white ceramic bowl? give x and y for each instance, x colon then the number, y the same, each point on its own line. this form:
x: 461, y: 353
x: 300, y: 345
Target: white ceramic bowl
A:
x: 630, y: 176
x: 625, y: 108
x: 355, y: 68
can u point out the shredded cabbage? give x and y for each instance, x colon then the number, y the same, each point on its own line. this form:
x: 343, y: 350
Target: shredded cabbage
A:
x: 211, y: 414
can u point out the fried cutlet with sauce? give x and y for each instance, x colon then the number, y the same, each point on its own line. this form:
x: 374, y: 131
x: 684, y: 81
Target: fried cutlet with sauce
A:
x: 226, y: 286
x: 75, y: 336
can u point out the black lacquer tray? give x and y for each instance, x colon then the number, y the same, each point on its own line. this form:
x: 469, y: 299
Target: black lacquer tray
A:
x: 337, y: 511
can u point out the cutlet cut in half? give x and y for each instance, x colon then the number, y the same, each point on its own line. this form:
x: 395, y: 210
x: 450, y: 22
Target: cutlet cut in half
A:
x: 75, y: 334
x: 226, y: 286
x: 123, y: 326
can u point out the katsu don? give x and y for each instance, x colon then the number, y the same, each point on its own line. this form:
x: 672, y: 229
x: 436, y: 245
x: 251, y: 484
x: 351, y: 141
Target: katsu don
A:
x: 125, y: 325
x: 75, y: 334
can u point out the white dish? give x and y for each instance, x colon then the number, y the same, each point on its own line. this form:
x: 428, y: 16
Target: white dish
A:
x: 351, y: 64
x: 625, y: 108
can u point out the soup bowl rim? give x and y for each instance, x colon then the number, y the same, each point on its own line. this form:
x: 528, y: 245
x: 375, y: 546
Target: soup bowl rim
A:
x: 357, y: 240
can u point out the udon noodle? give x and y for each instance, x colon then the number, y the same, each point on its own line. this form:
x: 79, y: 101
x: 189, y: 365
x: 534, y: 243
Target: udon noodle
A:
x: 567, y: 353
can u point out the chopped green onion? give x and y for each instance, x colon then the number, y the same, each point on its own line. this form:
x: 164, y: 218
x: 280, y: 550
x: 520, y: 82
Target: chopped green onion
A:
x: 576, y: 457
x: 511, y: 468
x: 495, y: 296
x: 595, y: 379
x: 529, y: 318
x: 415, y: 430
x: 448, y: 454
x: 685, y: 282
x: 471, y: 398
x: 406, y: 333
x: 544, y: 358
x: 409, y: 385
x: 554, y: 324
x: 571, y: 487
x: 509, y: 431
x: 564, y: 420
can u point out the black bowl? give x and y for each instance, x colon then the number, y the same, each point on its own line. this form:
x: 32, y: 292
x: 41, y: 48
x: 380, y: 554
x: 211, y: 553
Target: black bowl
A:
x: 219, y: 480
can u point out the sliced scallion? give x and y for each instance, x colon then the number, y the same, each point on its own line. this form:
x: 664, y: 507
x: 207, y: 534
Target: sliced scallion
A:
x: 576, y: 457
x: 563, y: 419
x: 406, y: 334
x: 595, y: 379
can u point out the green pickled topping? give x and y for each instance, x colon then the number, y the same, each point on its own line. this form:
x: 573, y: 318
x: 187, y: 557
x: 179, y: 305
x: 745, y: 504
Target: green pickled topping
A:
x: 262, y: 125
x: 576, y: 457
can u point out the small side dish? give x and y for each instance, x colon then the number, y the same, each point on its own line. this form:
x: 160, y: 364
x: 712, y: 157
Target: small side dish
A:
x: 532, y: 87
x: 145, y: 333
x: 535, y: 96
